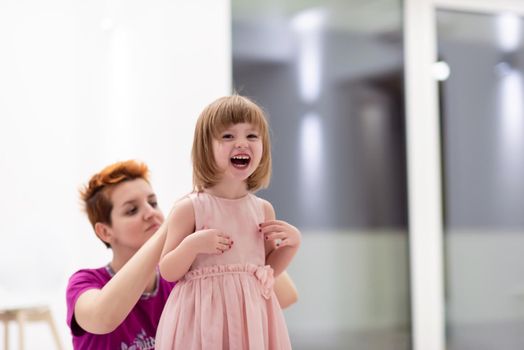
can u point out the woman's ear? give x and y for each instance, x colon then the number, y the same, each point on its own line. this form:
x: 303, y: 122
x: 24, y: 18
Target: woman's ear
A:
x: 103, y: 231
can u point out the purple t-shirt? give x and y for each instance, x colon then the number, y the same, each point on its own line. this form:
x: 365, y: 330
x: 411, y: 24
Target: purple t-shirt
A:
x: 138, y: 330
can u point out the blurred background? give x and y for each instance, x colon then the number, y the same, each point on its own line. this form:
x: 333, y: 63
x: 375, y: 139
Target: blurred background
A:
x: 85, y: 84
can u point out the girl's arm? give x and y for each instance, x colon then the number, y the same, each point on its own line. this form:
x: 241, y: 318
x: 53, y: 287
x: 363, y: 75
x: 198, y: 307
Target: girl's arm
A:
x: 182, y: 246
x: 285, y: 290
x: 101, y: 311
x: 282, y: 240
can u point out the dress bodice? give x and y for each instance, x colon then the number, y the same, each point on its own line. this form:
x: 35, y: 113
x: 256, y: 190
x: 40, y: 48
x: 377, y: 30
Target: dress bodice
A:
x: 237, y: 218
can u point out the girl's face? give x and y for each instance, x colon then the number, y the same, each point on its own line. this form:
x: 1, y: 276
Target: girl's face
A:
x: 135, y: 215
x: 238, y: 150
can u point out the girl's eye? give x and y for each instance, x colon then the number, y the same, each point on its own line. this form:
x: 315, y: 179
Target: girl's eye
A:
x: 252, y: 136
x: 154, y: 204
x: 227, y: 136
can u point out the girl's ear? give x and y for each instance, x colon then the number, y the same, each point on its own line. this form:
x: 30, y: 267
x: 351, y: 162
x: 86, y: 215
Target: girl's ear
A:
x: 103, y: 231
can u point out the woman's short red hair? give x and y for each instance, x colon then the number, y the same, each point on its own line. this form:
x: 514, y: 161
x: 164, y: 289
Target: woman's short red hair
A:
x: 96, y: 194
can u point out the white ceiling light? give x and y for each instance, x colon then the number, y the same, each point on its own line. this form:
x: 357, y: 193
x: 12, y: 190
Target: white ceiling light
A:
x: 441, y: 70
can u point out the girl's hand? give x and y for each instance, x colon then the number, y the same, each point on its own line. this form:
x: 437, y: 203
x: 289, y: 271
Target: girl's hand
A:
x: 281, y: 233
x: 210, y: 241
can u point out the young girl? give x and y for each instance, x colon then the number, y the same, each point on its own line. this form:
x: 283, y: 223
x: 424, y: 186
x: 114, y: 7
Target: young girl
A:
x: 223, y: 243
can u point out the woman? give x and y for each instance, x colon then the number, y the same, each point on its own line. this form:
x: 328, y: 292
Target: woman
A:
x: 119, y: 305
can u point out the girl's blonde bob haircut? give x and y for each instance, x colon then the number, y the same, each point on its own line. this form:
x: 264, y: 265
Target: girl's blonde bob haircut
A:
x: 213, y: 120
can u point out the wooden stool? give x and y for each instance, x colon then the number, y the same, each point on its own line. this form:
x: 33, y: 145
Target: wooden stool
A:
x: 27, y: 314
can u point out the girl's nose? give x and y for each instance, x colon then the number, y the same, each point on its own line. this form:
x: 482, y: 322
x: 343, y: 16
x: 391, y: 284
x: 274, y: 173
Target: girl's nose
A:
x: 241, y: 143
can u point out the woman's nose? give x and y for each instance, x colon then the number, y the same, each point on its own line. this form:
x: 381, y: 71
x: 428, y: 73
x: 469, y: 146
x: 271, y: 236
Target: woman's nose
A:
x: 149, y: 212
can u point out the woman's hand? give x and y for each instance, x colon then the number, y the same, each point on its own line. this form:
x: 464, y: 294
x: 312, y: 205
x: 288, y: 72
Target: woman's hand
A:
x: 209, y: 241
x: 281, y: 233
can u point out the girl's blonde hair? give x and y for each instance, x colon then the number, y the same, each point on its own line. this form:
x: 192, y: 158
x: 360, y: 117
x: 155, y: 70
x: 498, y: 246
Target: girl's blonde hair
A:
x: 216, y: 117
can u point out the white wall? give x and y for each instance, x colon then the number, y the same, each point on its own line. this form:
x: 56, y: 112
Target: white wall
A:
x: 84, y: 84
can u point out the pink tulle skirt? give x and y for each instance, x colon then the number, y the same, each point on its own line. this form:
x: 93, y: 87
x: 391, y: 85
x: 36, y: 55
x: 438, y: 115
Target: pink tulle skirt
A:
x: 223, y: 307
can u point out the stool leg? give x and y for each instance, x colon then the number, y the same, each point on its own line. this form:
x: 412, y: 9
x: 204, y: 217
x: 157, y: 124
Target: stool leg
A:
x: 21, y: 320
x: 54, y: 330
x: 6, y: 335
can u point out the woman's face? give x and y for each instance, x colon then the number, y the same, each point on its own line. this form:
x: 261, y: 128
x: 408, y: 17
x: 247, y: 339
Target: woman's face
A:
x: 135, y: 215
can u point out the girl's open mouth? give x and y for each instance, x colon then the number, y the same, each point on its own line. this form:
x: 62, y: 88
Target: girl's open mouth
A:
x: 240, y: 161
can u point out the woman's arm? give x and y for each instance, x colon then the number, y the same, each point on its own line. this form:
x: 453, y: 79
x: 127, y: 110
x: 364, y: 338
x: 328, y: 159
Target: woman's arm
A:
x: 285, y: 290
x: 282, y: 240
x: 101, y: 311
x: 182, y: 246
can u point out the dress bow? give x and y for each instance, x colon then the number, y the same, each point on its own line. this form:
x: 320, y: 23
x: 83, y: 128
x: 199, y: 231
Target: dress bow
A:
x: 264, y: 275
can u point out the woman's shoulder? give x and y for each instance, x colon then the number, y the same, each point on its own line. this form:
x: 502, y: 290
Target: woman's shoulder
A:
x: 98, y: 276
x: 83, y: 280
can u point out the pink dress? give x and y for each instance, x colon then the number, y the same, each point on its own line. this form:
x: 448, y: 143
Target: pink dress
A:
x: 226, y: 301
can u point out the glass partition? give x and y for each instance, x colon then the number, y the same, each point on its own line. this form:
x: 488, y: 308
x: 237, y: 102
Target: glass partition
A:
x: 330, y: 76
x: 482, y: 116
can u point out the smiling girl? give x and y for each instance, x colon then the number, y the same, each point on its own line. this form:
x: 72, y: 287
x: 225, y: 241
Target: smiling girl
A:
x: 224, y: 244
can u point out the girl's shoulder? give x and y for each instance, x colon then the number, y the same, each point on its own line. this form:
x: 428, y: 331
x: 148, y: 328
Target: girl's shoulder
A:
x: 182, y: 211
x: 267, y: 208
x: 185, y: 201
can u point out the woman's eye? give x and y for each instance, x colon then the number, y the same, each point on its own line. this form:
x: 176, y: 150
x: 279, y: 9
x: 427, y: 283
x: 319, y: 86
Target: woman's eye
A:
x: 154, y: 204
x: 131, y: 211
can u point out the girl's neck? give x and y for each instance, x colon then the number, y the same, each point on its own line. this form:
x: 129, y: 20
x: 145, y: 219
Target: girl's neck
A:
x: 228, y: 190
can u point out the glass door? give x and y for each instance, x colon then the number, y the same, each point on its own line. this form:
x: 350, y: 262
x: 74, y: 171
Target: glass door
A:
x: 465, y: 143
x: 482, y: 119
